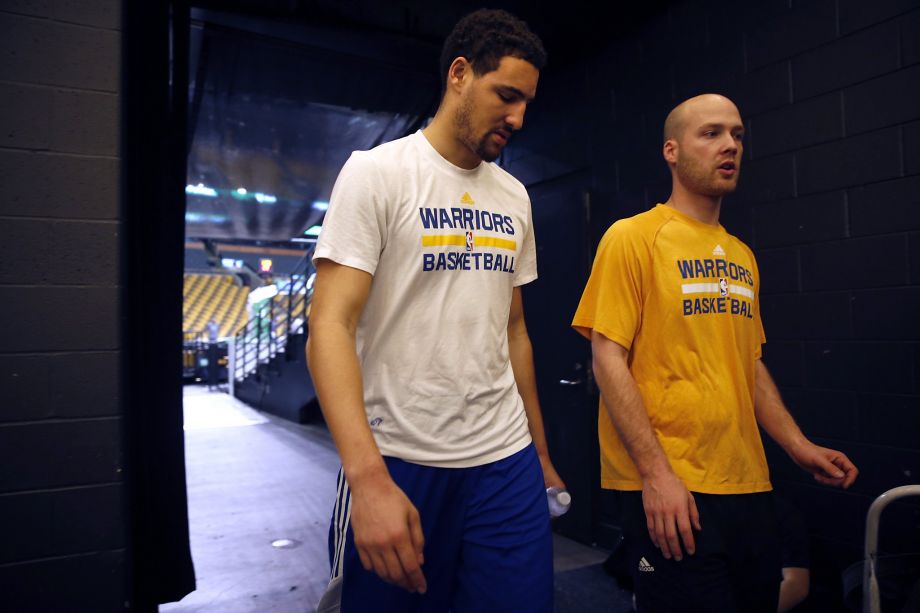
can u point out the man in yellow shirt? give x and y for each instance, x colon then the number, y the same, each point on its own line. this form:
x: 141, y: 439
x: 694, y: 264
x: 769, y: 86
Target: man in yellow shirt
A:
x: 672, y: 312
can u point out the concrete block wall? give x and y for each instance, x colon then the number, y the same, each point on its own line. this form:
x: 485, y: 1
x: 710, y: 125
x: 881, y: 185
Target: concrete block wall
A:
x: 62, y: 512
x: 829, y: 200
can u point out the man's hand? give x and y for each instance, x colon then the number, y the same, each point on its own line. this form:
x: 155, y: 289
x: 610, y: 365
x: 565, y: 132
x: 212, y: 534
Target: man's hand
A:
x: 386, y: 526
x: 828, y: 466
x: 670, y: 510
x: 550, y: 477
x: 388, y: 533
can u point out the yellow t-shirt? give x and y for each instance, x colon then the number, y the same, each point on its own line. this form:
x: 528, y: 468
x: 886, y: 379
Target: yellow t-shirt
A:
x: 681, y: 297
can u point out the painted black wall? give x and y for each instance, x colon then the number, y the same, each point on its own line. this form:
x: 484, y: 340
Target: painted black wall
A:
x: 829, y: 200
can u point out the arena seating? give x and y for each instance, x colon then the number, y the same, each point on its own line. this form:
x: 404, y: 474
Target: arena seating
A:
x: 216, y: 296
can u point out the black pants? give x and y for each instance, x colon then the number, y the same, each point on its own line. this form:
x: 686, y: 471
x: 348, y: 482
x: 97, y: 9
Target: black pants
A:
x: 736, y: 567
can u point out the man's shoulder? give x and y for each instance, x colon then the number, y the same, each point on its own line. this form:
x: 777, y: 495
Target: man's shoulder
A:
x: 381, y: 169
x: 652, y: 217
x: 505, y: 180
x: 500, y: 174
x: 388, y: 153
x: 635, y: 234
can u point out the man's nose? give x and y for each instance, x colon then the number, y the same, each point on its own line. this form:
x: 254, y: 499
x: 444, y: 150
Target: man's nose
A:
x: 515, y: 116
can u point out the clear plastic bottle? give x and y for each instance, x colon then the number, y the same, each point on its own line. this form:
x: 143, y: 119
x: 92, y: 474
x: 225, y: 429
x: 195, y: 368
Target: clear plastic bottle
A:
x: 559, y: 501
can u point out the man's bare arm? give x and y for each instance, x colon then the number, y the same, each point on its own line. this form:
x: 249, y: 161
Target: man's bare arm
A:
x: 521, y: 355
x: 670, y: 509
x: 828, y: 466
x: 387, y: 527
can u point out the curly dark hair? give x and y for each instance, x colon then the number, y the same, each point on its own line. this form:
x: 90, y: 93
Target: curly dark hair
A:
x: 485, y: 36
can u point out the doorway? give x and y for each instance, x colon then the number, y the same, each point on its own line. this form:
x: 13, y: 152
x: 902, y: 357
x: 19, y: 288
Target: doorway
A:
x: 562, y: 358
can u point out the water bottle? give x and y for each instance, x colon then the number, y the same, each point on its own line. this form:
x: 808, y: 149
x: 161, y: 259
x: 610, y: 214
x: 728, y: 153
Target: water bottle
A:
x: 559, y: 501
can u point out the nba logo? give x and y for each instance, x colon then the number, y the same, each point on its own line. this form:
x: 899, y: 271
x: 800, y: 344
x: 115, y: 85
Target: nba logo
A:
x: 469, y: 241
x: 723, y: 288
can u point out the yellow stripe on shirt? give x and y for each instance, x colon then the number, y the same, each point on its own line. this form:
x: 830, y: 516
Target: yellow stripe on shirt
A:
x: 459, y: 240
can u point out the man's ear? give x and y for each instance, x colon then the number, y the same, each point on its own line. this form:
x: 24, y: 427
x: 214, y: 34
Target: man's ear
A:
x: 460, y: 70
x: 669, y: 151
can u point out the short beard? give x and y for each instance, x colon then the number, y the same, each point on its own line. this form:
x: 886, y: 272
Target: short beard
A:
x: 464, y: 126
x: 694, y: 178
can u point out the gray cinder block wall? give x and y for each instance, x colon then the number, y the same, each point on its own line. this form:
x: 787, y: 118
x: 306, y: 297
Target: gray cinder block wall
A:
x: 62, y: 518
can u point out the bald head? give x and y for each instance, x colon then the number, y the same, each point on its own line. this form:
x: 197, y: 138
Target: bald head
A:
x: 679, y: 118
x: 703, y: 144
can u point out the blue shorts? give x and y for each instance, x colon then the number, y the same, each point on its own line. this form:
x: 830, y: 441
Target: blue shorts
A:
x: 488, y: 545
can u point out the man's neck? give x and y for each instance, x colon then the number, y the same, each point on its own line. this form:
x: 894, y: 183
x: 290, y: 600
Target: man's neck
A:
x: 698, y: 206
x: 441, y: 136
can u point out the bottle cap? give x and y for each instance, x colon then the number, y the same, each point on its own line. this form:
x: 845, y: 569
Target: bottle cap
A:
x: 564, y: 498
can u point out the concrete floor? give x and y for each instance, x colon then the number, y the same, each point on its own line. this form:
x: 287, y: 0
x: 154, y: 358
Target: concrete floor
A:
x: 260, y: 492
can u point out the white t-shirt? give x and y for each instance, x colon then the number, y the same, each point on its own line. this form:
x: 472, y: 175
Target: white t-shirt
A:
x: 446, y: 247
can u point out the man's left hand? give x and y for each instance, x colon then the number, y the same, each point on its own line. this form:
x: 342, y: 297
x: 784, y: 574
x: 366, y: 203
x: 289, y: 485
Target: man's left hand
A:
x: 550, y: 477
x: 828, y: 466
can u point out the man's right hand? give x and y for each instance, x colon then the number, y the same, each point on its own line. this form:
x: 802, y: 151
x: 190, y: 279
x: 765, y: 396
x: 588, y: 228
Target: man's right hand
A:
x: 386, y: 526
x: 670, y: 511
x: 388, y: 533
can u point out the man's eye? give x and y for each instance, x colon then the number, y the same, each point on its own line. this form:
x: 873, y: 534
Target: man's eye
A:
x: 505, y: 97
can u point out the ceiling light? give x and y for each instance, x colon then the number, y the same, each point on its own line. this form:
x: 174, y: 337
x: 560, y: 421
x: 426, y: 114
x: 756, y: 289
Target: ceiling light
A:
x: 201, y: 190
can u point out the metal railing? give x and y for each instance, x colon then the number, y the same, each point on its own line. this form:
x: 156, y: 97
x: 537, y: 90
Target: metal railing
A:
x: 266, y: 333
x: 871, y: 593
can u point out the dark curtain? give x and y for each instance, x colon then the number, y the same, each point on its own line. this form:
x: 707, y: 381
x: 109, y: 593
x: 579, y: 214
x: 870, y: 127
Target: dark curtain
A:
x: 154, y: 104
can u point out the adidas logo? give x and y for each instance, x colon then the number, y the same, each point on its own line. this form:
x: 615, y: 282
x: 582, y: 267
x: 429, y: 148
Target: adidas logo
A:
x: 466, y: 199
x: 718, y: 250
x: 645, y: 567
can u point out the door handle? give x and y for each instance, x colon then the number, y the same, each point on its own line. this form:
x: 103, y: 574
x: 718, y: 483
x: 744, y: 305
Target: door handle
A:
x: 578, y: 379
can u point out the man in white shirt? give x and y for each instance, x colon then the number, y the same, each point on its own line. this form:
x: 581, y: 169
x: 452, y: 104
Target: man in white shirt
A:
x: 421, y: 358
